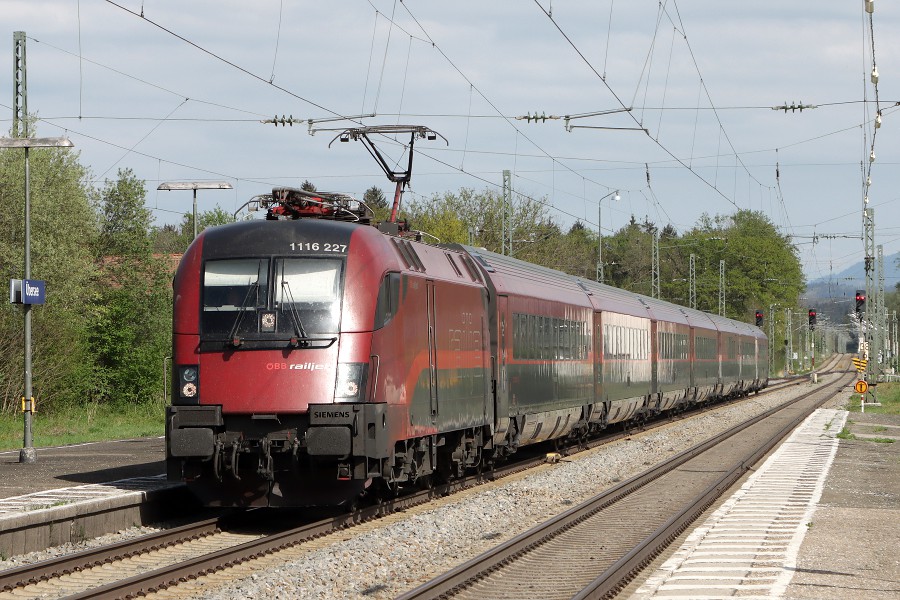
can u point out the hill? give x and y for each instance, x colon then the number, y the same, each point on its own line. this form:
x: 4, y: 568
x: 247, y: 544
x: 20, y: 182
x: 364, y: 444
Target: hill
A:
x: 835, y: 295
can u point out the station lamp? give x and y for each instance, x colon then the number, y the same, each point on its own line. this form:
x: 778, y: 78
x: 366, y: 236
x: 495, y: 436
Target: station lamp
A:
x: 195, y: 185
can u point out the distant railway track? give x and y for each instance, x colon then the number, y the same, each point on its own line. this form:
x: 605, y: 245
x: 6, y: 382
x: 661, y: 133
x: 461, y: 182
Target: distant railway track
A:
x: 595, y: 549
x: 159, y: 561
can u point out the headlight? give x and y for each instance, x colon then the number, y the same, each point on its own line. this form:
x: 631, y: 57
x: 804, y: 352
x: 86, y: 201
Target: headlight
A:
x: 188, y: 382
x: 351, y: 381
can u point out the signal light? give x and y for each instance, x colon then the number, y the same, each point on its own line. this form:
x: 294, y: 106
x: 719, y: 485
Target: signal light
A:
x: 812, y: 318
x: 759, y: 318
x: 860, y: 302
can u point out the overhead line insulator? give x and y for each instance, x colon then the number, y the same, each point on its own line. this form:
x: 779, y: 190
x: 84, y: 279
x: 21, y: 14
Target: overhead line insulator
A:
x: 793, y: 106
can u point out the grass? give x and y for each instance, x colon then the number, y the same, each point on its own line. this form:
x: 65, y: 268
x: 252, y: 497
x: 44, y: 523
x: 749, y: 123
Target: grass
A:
x: 888, y: 396
x: 84, y: 423
x: 845, y: 435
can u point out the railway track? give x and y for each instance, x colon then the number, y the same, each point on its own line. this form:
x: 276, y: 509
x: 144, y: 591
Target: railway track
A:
x: 597, y: 548
x: 160, y: 560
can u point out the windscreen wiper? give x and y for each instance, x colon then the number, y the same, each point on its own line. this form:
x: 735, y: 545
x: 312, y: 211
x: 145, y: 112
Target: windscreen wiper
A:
x: 233, y: 338
x: 295, y: 316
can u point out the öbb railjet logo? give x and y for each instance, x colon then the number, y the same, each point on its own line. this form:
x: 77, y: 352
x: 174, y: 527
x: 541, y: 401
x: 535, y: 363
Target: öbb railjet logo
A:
x: 307, y: 366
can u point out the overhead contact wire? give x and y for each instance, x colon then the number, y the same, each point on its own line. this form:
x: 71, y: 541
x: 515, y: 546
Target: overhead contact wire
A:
x: 226, y: 61
x: 622, y: 104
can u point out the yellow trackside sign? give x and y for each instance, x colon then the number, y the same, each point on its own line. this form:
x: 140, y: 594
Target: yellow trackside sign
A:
x: 860, y: 364
x: 861, y: 387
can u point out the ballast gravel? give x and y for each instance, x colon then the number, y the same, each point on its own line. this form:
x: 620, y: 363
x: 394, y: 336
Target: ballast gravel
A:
x: 389, y: 556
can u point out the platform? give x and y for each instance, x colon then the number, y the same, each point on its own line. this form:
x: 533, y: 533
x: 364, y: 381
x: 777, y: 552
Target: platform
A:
x: 819, y: 519
x: 68, y: 466
x: 80, y: 491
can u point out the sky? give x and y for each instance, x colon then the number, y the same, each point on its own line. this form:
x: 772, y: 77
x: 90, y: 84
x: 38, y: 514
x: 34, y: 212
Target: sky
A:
x: 178, y: 91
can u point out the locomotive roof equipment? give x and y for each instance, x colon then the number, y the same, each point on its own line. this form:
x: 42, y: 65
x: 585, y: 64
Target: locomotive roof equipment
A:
x: 400, y: 177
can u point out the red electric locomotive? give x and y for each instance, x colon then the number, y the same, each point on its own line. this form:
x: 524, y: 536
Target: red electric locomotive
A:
x: 317, y: 359
x: 315, y: 356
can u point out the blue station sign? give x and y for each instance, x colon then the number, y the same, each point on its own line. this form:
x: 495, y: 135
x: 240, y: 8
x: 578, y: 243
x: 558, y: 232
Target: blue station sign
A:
x: 27, y: 291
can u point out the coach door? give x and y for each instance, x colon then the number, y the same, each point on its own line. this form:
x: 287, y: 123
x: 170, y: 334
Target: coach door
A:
x: 654, y: 357
x: 599, y: 357
x: 432, y: 353
x: 692, y: 356
x: 502, y: 387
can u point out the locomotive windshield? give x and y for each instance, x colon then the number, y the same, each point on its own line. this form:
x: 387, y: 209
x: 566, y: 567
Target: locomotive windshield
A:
x: 262, y: 299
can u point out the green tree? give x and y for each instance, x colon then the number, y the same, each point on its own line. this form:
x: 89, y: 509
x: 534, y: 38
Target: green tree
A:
x: 474, y: 217
x: 131, y: 333
x: 63, y: 231
x: 205, y: 218
x: 762, y: 266
x: 627, y: 255
x: 575, y: 252
x: 174, y: 239
x: 167, y: 239
x: 375, y: 200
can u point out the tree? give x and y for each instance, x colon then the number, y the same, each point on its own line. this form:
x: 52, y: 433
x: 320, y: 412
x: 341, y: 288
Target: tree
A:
x: 63, y: 231
x: 205, y: 218
x: 375, y: 200
x: 307, y: 186
x: 477, y: 218
x: 167, y: 239
x: 124, y: 219
x: 131, y: 330
x: 174, y: 239
x: 628, y: 257
x: 762, y: 266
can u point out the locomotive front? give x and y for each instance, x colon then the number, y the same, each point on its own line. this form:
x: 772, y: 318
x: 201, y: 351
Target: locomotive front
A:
x: 268, y: 399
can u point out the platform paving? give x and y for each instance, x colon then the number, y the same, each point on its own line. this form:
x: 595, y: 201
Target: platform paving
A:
x: 851, y: 549
x: 79, y: 464
x: 820, y: 519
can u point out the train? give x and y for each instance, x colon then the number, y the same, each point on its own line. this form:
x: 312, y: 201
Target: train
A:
x: 319, y: 359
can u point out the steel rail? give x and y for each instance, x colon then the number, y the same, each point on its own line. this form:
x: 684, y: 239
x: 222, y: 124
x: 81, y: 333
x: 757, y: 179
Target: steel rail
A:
x: 81, y: 561
x: 610, y: 582
x: 495, y: 559
x: 10, y: 579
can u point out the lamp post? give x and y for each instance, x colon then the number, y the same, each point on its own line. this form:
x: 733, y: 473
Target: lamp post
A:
x: 195, y: 185
x: 28, y: 454
x: 600, y: 233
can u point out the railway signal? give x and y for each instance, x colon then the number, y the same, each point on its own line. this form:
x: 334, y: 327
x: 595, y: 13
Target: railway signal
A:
x: 759, y: 318
x: 860, y: 302
x: 812, y: 318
